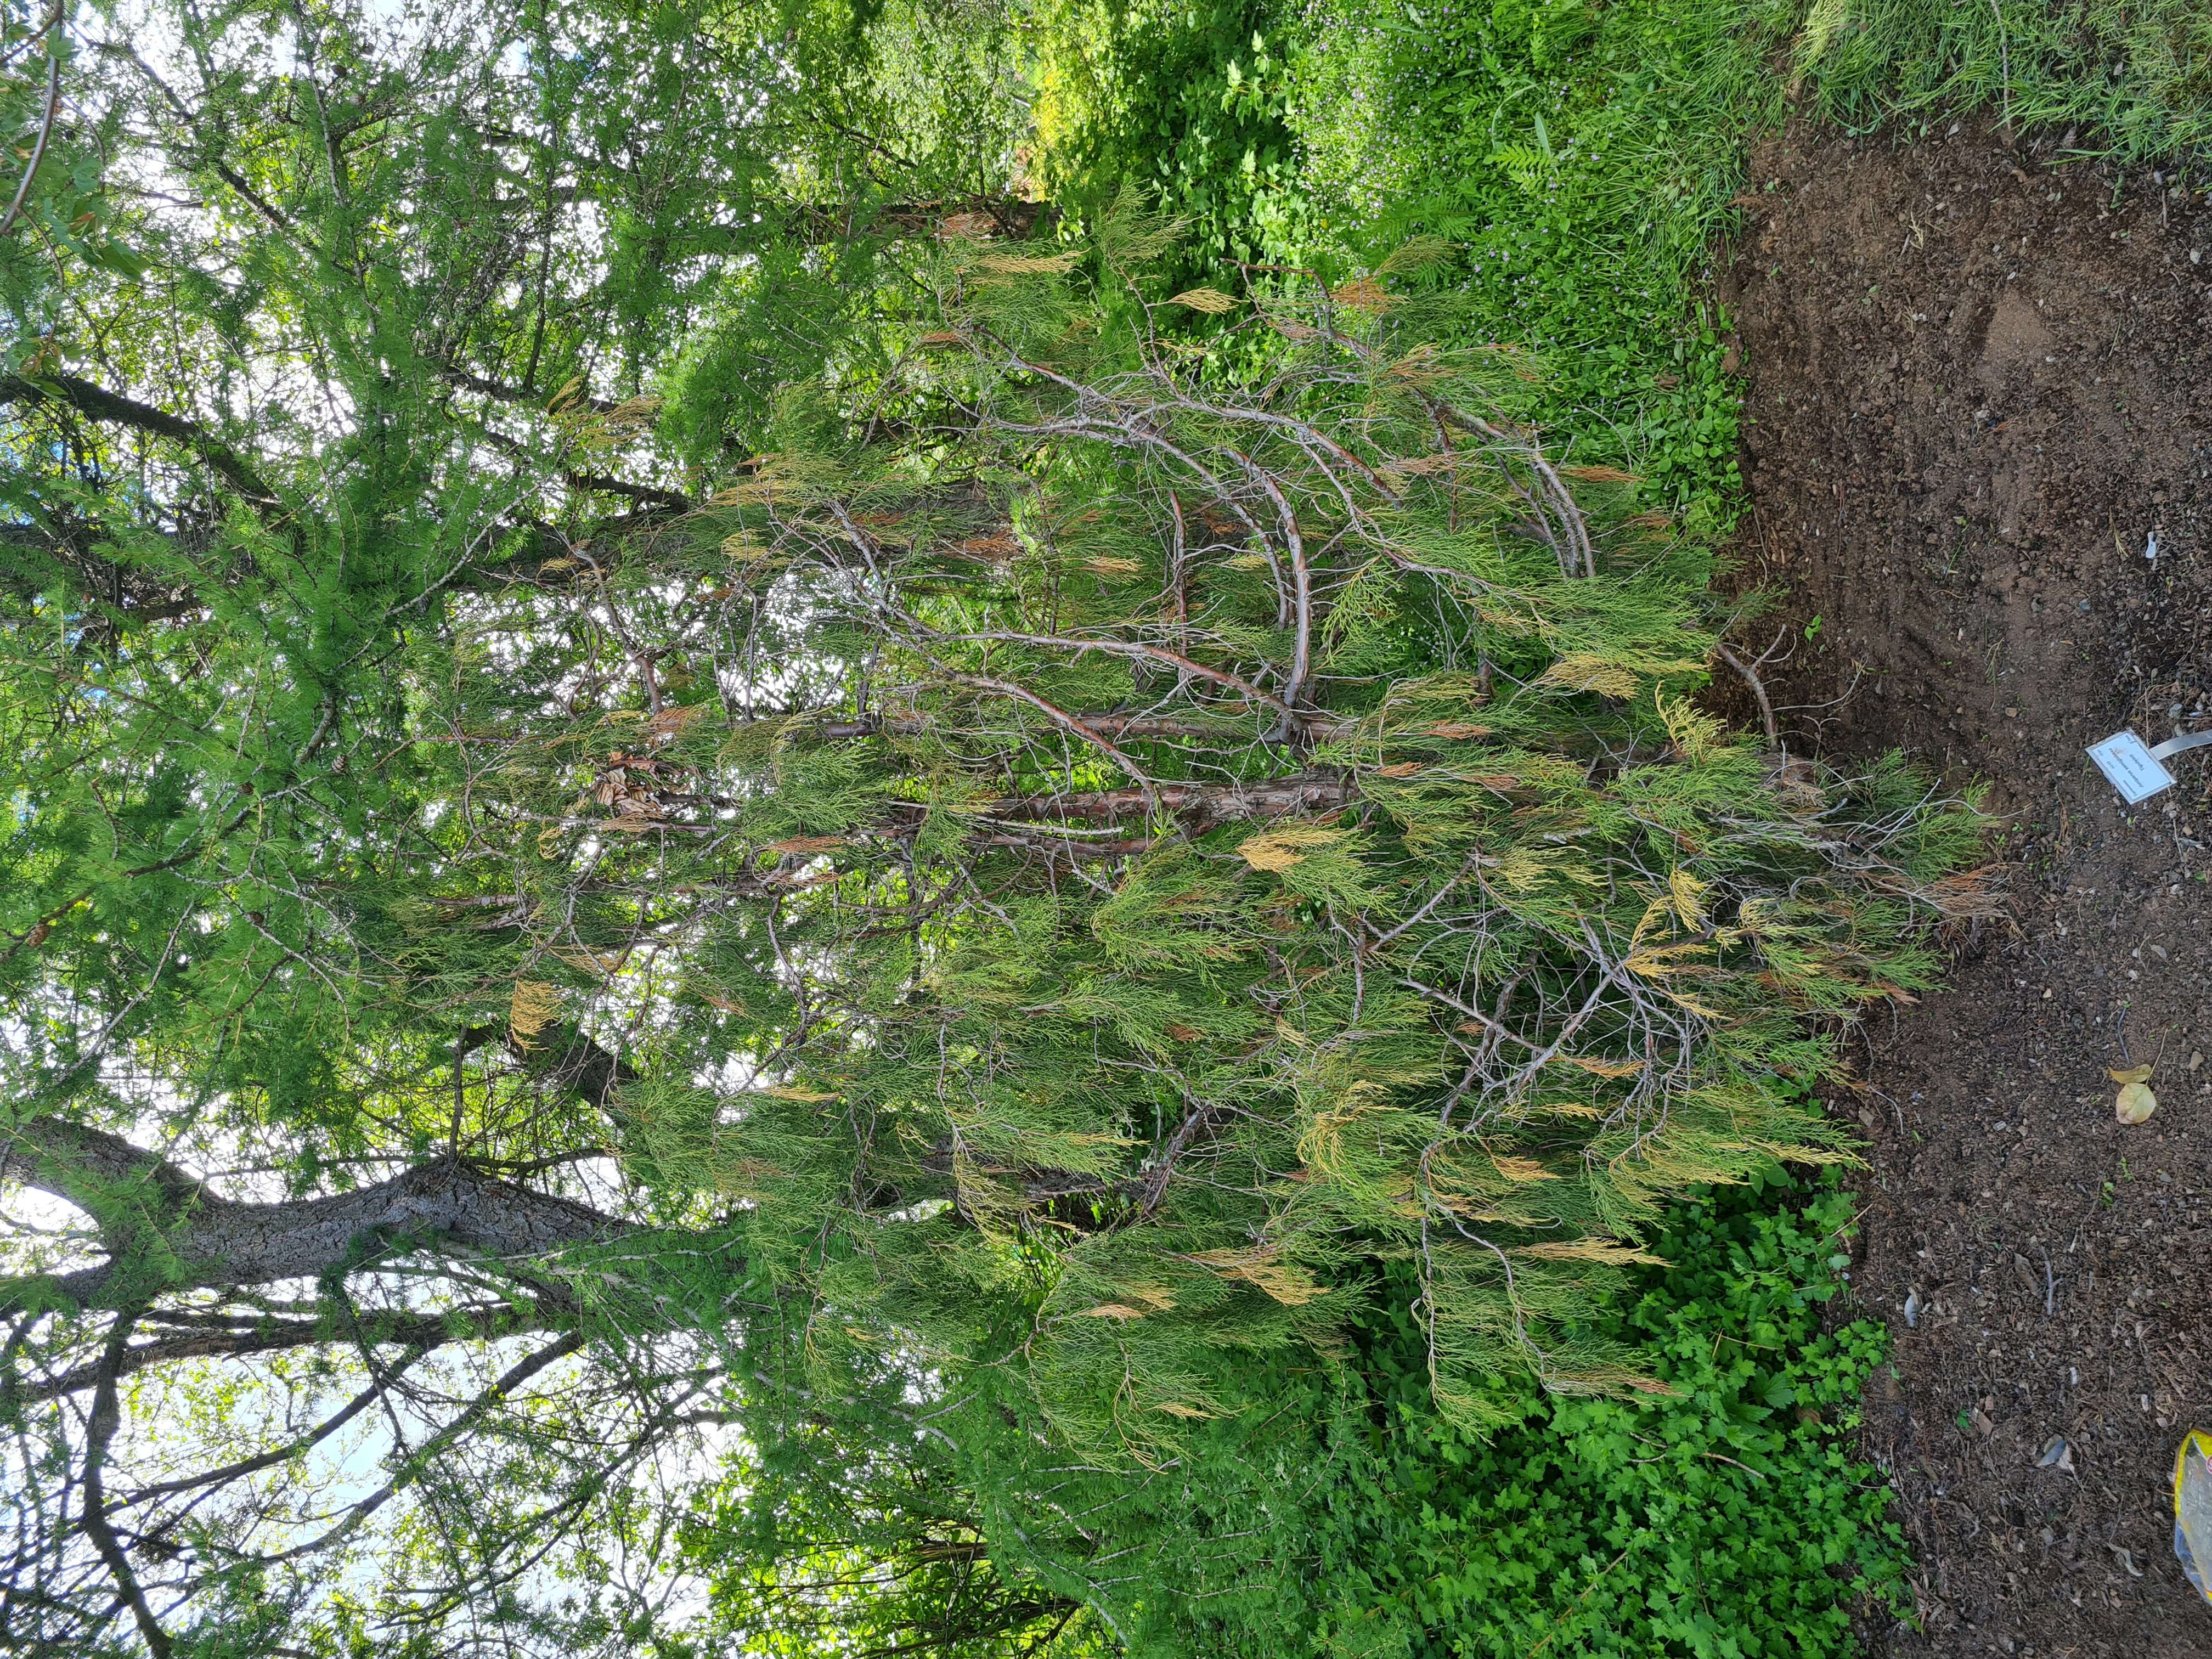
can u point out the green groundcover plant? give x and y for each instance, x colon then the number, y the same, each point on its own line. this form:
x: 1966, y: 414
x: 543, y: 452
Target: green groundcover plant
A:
x: 1585, y: 161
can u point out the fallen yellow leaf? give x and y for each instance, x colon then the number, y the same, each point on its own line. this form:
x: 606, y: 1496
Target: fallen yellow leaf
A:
x: 2133, y: 1074
x: 2135, y: 1102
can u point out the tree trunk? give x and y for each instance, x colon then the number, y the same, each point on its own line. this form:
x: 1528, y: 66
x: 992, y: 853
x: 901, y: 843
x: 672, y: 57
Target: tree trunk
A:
x: 165, y: 1230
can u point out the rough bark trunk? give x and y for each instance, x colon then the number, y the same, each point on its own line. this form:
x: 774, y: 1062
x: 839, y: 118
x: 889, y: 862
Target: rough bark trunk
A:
x: 165, y: 1230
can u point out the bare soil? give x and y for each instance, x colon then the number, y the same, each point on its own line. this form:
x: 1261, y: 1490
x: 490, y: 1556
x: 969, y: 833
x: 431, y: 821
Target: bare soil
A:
x: 1979, y: 381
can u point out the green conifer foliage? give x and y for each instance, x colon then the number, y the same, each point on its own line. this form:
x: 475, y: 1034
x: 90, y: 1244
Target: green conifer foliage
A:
x: 1142, y: 847
x: 651, y: 741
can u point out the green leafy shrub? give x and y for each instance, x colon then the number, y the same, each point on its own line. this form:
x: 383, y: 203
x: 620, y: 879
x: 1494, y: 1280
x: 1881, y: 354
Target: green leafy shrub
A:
x: 1183, y: 98
x: 1580, y: 159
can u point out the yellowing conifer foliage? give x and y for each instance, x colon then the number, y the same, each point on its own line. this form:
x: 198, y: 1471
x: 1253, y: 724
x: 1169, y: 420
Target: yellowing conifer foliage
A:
x: 1148, y: 845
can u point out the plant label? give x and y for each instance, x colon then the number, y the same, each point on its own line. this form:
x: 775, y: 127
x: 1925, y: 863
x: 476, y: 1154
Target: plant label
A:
x: 2131, y: 768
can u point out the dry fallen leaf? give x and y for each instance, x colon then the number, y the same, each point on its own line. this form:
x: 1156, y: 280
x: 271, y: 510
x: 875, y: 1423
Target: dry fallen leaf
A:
x: 2133, y: 1074
x: 2135, y: 1102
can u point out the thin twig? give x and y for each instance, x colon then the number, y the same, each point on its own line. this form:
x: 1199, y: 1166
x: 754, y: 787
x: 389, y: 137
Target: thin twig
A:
x: 1758, y: 691
x: 45, y: 125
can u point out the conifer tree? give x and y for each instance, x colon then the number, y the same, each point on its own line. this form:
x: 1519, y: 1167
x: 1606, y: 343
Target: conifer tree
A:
x: 725, y: 810
x: 1146, y: 846
x: 285, y: 308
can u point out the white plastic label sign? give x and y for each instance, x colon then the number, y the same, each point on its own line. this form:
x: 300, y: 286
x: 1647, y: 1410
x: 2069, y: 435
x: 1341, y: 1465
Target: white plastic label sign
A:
x: 2131, y: 768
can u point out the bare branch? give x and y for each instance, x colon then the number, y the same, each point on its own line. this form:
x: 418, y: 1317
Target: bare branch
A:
x: 97, y: 404
x: 106, y: 1417
x: 419, y: 1332
x: 515, y: 1375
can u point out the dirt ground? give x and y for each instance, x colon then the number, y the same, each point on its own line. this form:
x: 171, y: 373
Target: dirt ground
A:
x: 1980, y: 382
